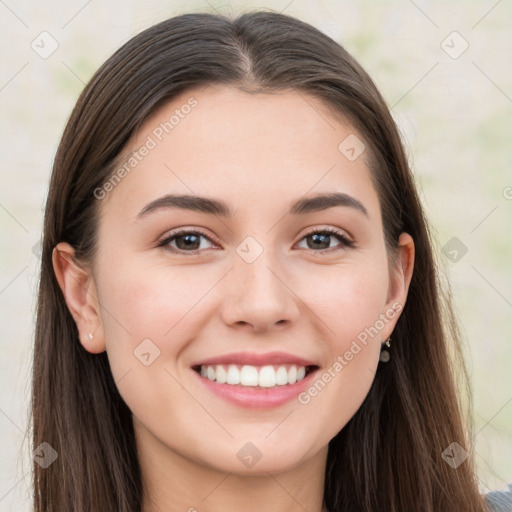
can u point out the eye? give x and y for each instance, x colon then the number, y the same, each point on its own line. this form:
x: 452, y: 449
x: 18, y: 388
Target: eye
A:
x: 185, y: 240
x: 190, y: 240
x: 321, y: 238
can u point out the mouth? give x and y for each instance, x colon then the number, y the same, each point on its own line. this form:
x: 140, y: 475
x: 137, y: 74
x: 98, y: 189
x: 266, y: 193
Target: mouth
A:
x: 255, y: 380
x: 255, y: 376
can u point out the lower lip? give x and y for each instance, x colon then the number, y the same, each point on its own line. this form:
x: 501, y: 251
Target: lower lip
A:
x: 257, y: 398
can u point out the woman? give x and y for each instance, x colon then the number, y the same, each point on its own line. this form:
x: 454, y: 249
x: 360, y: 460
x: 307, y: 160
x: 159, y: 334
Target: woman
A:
x: 238, y: 306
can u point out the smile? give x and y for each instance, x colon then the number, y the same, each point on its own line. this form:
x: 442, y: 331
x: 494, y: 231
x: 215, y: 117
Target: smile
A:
x: 255, y: 380
x: 267, y: 376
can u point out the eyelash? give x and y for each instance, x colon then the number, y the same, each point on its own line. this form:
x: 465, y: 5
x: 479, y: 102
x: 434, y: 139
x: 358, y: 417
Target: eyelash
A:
x: 345, y: 242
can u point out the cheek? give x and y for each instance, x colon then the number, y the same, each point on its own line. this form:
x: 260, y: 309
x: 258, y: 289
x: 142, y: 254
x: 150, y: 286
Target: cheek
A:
x: 148, y: 320
x: 349, y: 307
x: 152, y: 300
x: 143, y: 302
x: 348, y: 300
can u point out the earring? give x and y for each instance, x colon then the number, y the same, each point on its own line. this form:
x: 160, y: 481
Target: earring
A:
x: 91, y: 336
x: 384, y: 354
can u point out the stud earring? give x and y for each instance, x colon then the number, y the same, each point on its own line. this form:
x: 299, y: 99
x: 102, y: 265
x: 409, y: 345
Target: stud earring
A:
x: 91, y: 336
x: 384, y: 354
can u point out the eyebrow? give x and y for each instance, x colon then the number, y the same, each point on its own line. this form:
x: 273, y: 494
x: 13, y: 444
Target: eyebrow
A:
x: 217, y: 207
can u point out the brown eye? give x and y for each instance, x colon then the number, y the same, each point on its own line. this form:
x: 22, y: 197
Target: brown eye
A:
x: 185, y: 241
x: 320, y: 240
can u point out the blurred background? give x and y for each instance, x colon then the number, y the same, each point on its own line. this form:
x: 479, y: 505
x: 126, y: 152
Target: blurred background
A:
x: 445, y: 71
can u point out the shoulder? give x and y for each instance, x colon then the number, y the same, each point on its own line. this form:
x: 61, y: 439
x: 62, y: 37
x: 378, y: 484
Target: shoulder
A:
x: 500, y: 501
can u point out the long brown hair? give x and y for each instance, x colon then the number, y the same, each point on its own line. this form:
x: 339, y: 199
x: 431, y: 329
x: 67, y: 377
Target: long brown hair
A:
x: 389, y: 455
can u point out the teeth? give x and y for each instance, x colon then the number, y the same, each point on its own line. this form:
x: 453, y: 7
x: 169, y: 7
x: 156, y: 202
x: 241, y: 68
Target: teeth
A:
x: 292, y: 375
x: 247, y: 375
x: 221, y: 375
x: 282, y: 376
x: 233, y: 374
x: 267, y: 377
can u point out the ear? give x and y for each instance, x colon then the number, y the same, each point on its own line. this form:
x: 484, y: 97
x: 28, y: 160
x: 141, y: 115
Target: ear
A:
x: 79, y: 290
x: 400, y: 278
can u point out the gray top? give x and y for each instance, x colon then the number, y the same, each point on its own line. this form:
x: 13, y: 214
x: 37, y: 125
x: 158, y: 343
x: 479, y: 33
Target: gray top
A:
x: 500, y: 501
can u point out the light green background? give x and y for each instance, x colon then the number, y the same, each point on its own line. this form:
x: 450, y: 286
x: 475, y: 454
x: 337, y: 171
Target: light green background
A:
x: 455, y: 115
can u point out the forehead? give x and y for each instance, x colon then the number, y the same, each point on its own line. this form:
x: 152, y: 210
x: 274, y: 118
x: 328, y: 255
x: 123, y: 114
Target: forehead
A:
x: 244, y: 147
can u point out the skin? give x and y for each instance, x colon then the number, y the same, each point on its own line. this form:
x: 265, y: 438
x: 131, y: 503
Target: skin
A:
x: 258, y: 153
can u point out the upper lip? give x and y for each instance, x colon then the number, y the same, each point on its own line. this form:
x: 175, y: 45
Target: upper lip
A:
x: 255, y: 359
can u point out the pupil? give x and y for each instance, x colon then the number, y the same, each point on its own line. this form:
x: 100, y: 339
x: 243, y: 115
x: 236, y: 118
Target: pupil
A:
x: 323, y: 236
x: 187, y: 242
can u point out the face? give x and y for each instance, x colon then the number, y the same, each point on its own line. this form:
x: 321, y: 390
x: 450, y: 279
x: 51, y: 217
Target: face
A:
x: 269, y: 284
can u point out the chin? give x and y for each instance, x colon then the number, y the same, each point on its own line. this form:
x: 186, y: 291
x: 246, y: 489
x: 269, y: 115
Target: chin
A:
x: 258, y: 457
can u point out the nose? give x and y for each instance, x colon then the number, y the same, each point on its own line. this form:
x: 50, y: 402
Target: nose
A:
x: 257, y: 296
